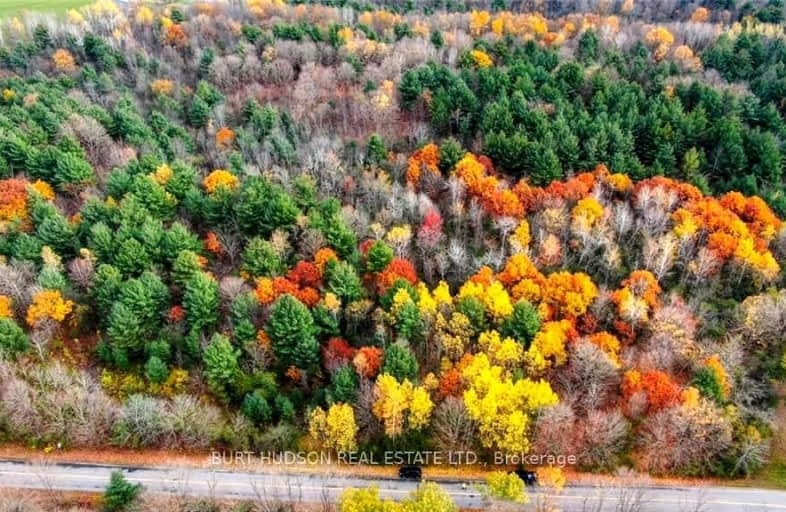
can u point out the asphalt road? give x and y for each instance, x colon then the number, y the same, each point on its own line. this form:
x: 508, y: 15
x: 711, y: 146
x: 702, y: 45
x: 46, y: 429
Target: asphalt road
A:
x: 315, y: 487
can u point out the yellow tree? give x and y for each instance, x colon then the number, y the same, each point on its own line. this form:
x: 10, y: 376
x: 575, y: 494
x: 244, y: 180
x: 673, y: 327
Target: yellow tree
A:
x: 478, y: 21
x: 429, y: 497
x: 365, y: 500
x: 548, y: 346
x: 586, y: 214
x: 401, y: 404
x: 335, y: 429
x: 144, y: 16
x: 506, y: 352
x: 700, y: 15
x: 501, y: 407
x: 48, y: 304
x: 63, y: 60
x: 506, y: 487
x: 661, y: 40
x: 481, y: 59
x: 6, y: 311
x: 220, y: 178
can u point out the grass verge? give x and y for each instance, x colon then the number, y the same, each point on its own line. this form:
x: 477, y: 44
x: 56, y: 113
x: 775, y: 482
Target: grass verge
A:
x: 16, y: 7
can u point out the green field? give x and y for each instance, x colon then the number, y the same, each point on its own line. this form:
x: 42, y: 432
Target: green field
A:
x: 15, y: 7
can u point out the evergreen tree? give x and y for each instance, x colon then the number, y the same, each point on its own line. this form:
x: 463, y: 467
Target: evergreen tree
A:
x: 436, y: 38
x: 450, y: 152
x: 261, y: 259
x: 221, y: 367
x: 588, y: 46
x: 263, y: 207
x: 400, y: 362
x: 706, y: 381
x: 120, y: 495
x: 201, y: 302
x: 343, y: 280
x: 523, y: 324
x: 256, y: 408
x: 12, y: 338
x: 343, y: 386
x: 198, y: 112
x: 375, y: 150
x: 156, y: 370
x: 409, y: 88
x: 291, y: 331
x: 379, y: 256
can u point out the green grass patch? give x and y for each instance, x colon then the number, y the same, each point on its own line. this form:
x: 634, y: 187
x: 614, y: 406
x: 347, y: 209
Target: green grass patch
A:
x: 16, y: 7
x: 773, y: 475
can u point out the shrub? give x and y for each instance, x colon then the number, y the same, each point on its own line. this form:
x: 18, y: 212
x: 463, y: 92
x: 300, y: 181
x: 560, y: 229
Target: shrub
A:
x: 12, y: 338
x: 120, y: 495
x: 191, y: 424
x: 156, y: 370
x: 506, y: 487
x: 141, y: 423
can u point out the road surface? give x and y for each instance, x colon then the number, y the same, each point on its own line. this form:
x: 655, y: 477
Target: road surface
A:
x: 313, y: 487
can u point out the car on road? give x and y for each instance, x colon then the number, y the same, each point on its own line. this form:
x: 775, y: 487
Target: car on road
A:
x: 530, y: 478
x: 410, y: 472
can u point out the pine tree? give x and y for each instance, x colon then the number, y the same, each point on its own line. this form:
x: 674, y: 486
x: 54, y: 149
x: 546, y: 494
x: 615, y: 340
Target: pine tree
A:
x: 409, y: 88
x: 221, y: 367
x: 588, y: 46
x: 375, y: 150
x: 198, y: 112
x: 450, y: 152
x: 379, y: 256
x: 125, y: 328
x: 263, y: 207
x: 120, y: 495
x: 156, y: 370
x: 343, y: 280
x: 201, y: 302
x: 400, y: 362
x: 523, y: 324
x: 291, y: 331
x: 261, y: 259
x: 256, y: 408
x: 12, y: 338
x: 344, y: 385
x: 436, y: 39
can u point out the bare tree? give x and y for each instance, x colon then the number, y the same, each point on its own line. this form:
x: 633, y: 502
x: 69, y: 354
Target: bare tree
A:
x: 454, y: 427
x: 601, y: 438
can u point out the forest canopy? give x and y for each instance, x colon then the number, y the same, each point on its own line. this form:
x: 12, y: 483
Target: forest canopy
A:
x: 407, y: 226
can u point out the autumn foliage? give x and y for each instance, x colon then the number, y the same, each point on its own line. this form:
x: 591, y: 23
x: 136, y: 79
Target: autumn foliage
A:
x: 48, y: 304
x: 331, y: 227
x: 225, y: 137
x: 63, y: 60
x: 218, y: 179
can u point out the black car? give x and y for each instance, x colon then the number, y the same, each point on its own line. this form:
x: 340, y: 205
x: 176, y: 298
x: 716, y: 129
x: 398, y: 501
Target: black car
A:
x: 410, y: 473
x: 530, y: 478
